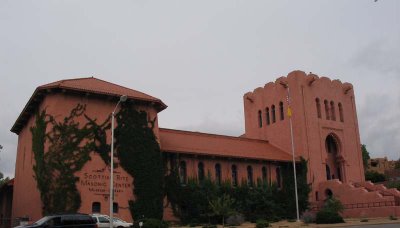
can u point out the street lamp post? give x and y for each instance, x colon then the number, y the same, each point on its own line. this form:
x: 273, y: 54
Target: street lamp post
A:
x: 123, y: 98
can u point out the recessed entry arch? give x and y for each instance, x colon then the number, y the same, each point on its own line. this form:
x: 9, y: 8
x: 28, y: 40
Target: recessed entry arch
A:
x: 333, y: 151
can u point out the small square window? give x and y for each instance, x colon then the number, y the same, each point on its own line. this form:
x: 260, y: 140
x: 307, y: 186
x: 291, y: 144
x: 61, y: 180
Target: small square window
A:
x: 115, y: 207
x: 96, y: 207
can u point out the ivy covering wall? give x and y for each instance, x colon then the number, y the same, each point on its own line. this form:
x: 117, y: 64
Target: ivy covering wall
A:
x: 190, y: 202
x: 69, y: 144
x: 140, y: 155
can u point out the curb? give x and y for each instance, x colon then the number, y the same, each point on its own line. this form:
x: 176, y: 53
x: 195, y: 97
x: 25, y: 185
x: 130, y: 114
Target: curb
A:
x: 348, y: 223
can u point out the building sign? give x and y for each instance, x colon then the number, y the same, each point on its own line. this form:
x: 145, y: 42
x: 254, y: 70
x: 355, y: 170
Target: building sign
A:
x: 98, y: 181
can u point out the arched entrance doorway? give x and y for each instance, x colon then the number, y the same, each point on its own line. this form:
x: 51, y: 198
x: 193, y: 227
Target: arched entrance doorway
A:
x: 333, y: 166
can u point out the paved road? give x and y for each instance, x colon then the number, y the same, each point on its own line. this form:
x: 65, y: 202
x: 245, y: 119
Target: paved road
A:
x: 378, y: 226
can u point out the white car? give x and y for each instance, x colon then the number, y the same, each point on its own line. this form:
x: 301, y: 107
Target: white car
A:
x: 103, y: 221
x: 121, y: 223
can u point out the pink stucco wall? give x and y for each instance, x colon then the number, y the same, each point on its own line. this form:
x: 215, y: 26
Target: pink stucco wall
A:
x: 26, y: 199
x: 310, y: 132
x: 226, y: 168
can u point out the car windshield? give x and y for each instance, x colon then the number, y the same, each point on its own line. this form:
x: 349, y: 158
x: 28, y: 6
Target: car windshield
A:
x: 118, y: 220
x: 42, y: 220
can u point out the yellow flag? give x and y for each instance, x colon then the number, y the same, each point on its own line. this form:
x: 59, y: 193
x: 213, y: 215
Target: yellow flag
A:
x: 289, y: 112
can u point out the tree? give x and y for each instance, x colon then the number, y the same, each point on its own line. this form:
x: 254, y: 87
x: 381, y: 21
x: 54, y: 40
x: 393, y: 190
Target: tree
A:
x: 397, y: 164
x: 1, y: 174
x: 365, y: 156
x: 5, y: 180
x: 222, y: 206
x: 374, y: 176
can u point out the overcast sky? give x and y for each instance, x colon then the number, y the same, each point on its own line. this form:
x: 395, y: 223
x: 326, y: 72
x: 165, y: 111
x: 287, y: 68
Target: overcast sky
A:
x: 200, y: 57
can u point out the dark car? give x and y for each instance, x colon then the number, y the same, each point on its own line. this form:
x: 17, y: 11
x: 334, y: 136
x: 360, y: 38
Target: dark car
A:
x: 64, y: 220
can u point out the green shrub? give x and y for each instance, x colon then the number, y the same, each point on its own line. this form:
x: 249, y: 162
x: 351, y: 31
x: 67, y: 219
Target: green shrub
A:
x: 328, y: 217
x: 262, y: 223
x: 330, y: 212
x: 333, y: 205
x: 151, y: 223
x: 235, y: 220
x: 374, y: 176
x: 393, y: 184
x: 209, y: 226
x: 308, y: 217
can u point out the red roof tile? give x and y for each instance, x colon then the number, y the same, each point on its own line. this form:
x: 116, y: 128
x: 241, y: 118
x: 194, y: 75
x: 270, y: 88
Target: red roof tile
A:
x: 187, y: 142
x: 84, y: 85
x: 98, y: 86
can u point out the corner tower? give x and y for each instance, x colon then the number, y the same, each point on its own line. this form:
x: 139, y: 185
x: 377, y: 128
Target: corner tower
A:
x: 97, y: 99
x: 325, y: 124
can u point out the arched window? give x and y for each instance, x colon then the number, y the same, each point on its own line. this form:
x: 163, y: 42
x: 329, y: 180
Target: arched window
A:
x: 278, y: 177
x: 250, y: 181
x: 182, y: 172
x: 96, y: 207
x: 341, y: 112
x: 318, y: 104
x: 218, y: 173
x: 328, y: 193
x: 331, y: 145
x: 328, y: 172
x: 264, y: 174
x: 281, y: 110
x: 333, y: 114
x: 326, y: 109
x: 267, y: 116
x: 259, y: 118
x: 273, y: 113
x: 234, y: 175
x: 200, y: 171
x: 339, y: 172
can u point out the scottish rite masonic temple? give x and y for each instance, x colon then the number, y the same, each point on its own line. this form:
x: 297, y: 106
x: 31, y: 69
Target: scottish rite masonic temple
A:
x: 325, y: 133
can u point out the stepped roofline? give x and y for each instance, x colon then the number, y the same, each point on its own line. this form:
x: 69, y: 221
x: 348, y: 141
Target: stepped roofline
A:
x: 308, y: 79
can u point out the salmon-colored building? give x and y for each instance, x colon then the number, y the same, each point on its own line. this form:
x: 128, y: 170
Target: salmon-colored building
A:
x: 325, y: 130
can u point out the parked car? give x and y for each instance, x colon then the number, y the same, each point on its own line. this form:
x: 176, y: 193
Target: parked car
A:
x: 103, y: 221
x: 63, y: 221
x: 121, y: 223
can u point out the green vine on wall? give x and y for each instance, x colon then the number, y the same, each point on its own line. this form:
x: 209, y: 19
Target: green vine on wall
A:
x: 140, y: 155
x: 69, y: 147
x: 190, y: 202
x: 69, y: 144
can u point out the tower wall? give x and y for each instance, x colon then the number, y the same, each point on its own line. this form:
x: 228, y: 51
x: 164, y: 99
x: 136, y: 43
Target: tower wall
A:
x: 309, y: 129
x: 93, y: 183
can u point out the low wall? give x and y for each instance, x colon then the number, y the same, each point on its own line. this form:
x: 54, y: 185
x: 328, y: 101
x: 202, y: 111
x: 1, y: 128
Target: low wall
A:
x: 372, y: 212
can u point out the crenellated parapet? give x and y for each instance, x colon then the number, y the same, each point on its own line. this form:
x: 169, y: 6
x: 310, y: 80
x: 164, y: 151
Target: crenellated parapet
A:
x: 302, y: 78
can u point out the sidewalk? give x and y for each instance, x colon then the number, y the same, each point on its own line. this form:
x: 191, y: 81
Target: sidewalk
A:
x: 348, y: 223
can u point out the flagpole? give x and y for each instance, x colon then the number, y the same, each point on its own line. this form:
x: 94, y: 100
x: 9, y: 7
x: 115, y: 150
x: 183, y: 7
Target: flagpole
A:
x: 293, y: 156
